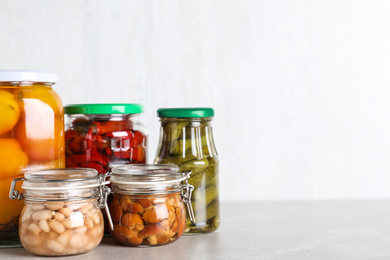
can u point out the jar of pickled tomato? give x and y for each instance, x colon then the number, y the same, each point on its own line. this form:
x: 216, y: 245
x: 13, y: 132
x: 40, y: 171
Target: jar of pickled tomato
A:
x: 101, y: 135
x: 31, y: 137
x: 148, y: 208
x: 62, y: 213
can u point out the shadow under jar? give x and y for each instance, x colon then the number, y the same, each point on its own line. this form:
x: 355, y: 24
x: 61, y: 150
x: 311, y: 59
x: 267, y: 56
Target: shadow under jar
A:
x: 62, y: 213
x: 147, y: 208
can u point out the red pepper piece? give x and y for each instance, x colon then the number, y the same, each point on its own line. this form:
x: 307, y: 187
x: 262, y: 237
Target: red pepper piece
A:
x: 141, y: 155
x: 97, y: 166
x: 88, y: 139
x: 77, y: 145
x: 133, y: 154
x: 113, y: 126
x: 108, y: 151
x: 125, y: 155
x: 71, y: 134
x: 122, y: 155
x: 70, y: 164
x: 116, y: 155
x: 101, y: 142
x: 138, y: 155
x: 137, y: 139
x: 97, y: 156
x: 80, y: 158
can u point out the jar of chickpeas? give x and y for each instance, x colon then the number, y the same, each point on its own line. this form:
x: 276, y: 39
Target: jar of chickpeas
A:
x: 31, y: 137
x: 148, y: 206
x: 62, y: 213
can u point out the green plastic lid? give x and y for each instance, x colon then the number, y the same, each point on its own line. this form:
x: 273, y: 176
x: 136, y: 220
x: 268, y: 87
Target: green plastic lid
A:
x: 103, y: 109
x: 186, y: 112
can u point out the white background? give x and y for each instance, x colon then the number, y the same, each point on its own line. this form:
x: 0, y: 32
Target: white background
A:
x: 301, y: 89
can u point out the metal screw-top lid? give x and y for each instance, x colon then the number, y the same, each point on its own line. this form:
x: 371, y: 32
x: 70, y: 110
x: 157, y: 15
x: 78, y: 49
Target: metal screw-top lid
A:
x: 27, y: 75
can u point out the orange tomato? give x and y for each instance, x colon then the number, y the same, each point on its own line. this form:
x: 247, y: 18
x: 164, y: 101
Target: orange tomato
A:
x: 39, y: 92
x: 42, y: 139
x: 40, y: 129
x: 12, y: 158
x: 10, y: 209
x: 9, y: 111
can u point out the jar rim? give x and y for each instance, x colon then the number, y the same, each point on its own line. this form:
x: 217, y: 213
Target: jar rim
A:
x: 147, y: 169
x: 61, y: 179
x: 147, y: 177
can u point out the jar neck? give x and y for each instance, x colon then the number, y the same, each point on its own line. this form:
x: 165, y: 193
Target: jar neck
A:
x: 186, y: 136
x: 156, y: 190
x: 105, y: 117
x: 65, y: 195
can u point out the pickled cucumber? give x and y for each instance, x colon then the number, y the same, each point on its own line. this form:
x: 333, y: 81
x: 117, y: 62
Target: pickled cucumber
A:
x: 206, y: 220
x: 206, y: 194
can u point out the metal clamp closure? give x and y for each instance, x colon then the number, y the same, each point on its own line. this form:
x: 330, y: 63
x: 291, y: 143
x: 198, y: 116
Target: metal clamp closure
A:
x: 14, y: 194
x: 104, y: 192
x: 186, y: 196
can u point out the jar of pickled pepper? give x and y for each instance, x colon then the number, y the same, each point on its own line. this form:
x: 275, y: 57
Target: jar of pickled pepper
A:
x: 62, y: 213
x: 31, y: 137
x: 186, y: 140
x: 101, y: 135
x: 148, y: 206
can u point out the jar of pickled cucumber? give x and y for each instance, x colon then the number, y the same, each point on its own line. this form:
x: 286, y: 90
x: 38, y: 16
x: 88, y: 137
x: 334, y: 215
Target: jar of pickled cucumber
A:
x: 186, y: 140
x: 62, y: 213
x: 31, y: 137
x: 148, y: 208
x: 101, y: 135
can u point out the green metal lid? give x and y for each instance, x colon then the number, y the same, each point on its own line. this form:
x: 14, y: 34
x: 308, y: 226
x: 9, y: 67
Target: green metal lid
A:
x: 103, y: 109
x: 186, y: 112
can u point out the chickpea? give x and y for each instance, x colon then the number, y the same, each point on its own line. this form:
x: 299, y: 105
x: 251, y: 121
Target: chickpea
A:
x: 58, y: 228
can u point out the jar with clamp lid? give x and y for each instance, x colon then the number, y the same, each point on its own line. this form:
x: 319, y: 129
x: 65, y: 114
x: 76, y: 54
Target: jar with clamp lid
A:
x: 62, y: 213
x: 148, y: 204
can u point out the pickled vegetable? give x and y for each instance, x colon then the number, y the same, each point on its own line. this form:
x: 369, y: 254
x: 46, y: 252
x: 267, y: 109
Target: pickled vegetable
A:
x: 188, y: 143
x: 144, y: 221
x: 31, y: 137
x: 56, y: 228
x: 100, y: 142
x: 9, y: 111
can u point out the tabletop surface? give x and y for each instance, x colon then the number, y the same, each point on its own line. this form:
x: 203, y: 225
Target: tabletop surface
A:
x: 269, y: 230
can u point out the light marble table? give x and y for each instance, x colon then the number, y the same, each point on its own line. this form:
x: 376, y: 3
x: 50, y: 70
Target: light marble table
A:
x: 269, y: 230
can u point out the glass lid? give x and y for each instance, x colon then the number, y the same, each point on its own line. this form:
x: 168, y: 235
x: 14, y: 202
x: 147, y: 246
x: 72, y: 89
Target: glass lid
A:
x: 144, y: 176
x: 59, y: 179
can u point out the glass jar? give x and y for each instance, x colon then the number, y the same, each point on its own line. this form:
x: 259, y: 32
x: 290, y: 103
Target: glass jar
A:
x: 101, y: 135
x: 62, y: 213
x: 186, y: 140
x: 148, y: 204
x: 31, y: 137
